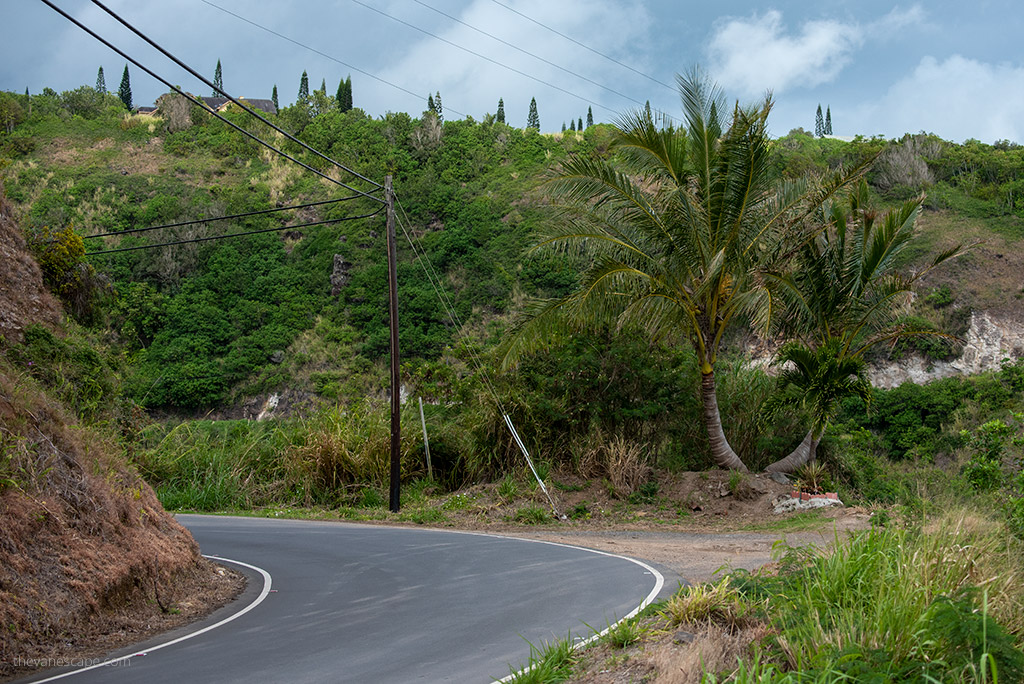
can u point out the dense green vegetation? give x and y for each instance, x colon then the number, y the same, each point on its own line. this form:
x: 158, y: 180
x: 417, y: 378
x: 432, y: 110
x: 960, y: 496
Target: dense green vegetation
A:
x: 180, y: 330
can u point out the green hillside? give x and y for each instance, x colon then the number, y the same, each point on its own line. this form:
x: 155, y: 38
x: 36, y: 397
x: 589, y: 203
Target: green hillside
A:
x: 211, y: 325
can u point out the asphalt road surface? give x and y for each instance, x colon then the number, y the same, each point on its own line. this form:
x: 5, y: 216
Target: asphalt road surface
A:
x: 336, y: 602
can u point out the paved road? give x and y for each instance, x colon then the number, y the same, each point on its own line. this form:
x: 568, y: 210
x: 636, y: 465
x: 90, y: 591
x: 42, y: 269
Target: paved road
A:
x: 355, y: 603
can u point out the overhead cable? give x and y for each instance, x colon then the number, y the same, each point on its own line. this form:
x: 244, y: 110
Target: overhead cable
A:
x: 202, y: 104
x: 528, y: 53
x: 211, y: 84
x: 485, y: 57
x: 233, y: 235
x: 271, y: 31
x: 216, y: 218
x: 584, y: 46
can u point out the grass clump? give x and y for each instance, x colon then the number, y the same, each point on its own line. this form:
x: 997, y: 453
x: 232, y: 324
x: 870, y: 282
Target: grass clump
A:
x: 936, y: 603
x: 624, y: 633
x: 706, y: 604
x: 549, y: 663
x: 532, y: 515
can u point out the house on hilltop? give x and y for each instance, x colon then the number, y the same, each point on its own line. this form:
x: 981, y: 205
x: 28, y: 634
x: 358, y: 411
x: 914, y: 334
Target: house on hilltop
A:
x: 176, y: 109
x: 220, y: 104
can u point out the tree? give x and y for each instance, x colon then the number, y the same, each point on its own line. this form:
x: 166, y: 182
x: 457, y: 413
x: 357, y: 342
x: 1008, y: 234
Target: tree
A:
x: 590, y: 117
x: 839, y: 298
x: 819, y: 125
x: 323, y: 86
x: 439, y: 109
x: 563, y: 127
x: 579, y: 124
x: 11, y: 113
x: 431, y: 106
x: 303, y: 87
x: 344, y: 95
x: 678, y: 225
x: 500, y: 116
x: 647, y: 110
x: 828, y: 120
x: 101, y: 82
x: 125, y: 90
x: 273, y: 97
x: 533, y: 118
x: 572, y: 125
x: 218, y: 80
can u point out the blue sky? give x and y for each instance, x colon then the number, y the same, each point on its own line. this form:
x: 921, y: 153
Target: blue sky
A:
x: 955, y: 69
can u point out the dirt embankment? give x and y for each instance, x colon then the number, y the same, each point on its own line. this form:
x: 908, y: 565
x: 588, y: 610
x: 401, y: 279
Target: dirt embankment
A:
x: 89, y: 559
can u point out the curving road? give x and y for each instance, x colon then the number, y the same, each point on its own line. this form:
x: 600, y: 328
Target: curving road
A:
x: 330, y: 602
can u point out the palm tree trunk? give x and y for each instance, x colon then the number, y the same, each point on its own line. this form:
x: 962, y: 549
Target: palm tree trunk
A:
x: 804, y: 453
x: 721, y: 452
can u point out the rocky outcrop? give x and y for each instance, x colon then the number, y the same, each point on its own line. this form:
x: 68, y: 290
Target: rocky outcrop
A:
x: 339, y: 275
x: 990, y: 340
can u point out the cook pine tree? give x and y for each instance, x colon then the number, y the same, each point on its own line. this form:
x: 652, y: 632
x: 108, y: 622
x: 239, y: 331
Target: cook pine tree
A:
x: 533, y: 118
x: 101, y: 82
x: 218, y: 80
x: 500, y: 116
x: 125, y: 90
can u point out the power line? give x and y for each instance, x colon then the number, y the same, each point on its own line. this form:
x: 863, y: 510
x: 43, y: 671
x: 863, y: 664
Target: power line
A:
x: 323, y: 54
x: 584, y: 46
x: 202, y: 104
x: 233, y: 235
x: 202, y: 78
x: 216, y: 218
x: 446, y: 303
x: 485, y: 57
x: 528, y: 53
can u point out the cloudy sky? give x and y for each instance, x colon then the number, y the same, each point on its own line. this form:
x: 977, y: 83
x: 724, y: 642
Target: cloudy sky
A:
x: 947, y: 67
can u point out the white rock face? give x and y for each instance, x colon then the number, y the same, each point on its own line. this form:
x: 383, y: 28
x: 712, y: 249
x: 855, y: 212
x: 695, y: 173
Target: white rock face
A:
x: 989, y: 341
x: 268, y: 407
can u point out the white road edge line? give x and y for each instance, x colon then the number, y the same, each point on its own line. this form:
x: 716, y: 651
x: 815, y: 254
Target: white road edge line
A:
x: 259, y: 599
x: 659, y: 583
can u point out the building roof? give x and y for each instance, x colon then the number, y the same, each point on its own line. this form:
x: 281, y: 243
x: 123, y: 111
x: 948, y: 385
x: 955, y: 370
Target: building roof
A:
x: 221, y: 103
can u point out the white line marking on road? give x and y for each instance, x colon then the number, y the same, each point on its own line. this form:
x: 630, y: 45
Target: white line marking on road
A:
x: 659, y: 582
x: 259, y: 599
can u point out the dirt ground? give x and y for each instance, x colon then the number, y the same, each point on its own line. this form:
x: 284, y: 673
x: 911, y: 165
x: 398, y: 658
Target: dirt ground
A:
x: 695, y: 524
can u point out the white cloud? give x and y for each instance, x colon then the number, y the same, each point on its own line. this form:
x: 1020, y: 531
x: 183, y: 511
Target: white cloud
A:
x: 755, y: 54
x: 956, y: 98
x: 473, y: 85
x: 897, y: 20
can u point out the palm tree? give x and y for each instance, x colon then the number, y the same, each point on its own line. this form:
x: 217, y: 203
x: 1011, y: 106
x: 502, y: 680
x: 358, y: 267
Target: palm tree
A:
x: 677, y: 225
x: 840, y: 297
x: 814, y: 379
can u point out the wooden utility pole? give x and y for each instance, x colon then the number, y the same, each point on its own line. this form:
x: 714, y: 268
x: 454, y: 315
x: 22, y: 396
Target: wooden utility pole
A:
x: 396, y: 379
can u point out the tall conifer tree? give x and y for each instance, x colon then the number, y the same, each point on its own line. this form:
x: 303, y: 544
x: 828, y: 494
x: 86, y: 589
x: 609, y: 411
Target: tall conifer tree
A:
x: 125, y: 91
x: 828, y: 120
x: 218, y: 80
x: 273, y: 97
x: 579, y: 124
x: 500, y: 116
x: 348, y: 93
x: 533, y: 118
x: 819, y: 124
x: 101, y: 82
x: 438, y: 107
x: 590, y: 117
x: 304, y: 87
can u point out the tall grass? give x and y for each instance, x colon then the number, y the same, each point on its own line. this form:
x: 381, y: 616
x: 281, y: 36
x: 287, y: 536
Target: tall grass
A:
x: 943, y: 602
x: 328, y: 458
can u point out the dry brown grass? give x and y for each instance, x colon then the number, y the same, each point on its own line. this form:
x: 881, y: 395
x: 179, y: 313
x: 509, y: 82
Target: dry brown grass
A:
x: 82, y: 535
